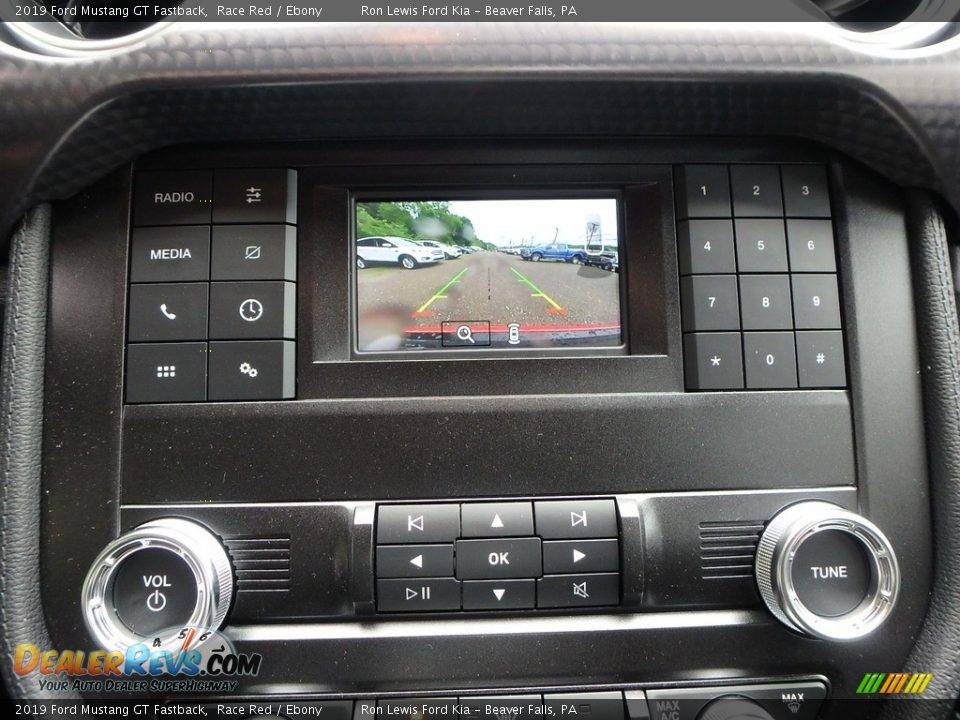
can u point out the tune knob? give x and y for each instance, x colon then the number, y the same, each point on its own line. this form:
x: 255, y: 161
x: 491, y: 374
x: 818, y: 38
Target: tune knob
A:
x: 155, y: 580
x: 826, y: 571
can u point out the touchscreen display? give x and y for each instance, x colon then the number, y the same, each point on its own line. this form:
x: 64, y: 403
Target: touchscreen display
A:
x: 472, y: 274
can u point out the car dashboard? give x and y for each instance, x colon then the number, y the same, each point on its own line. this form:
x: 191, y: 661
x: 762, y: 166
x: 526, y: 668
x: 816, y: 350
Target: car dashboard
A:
x: 510, y: 370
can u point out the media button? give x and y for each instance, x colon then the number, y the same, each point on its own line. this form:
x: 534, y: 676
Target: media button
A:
x: 512, y: 558
x: 557, y: 591
x: 418, y: 523
x: 170, y: 254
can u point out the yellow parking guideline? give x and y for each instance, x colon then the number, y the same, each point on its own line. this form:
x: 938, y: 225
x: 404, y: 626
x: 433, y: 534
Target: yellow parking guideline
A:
x: 439, y: 293
x: 538, y: 292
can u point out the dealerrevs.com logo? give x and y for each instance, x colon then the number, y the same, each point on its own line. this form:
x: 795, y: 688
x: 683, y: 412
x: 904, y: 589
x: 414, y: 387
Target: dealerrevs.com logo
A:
x: 205, y: 661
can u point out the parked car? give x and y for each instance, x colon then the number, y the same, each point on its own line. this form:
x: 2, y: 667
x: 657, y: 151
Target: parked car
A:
x: 608, y: 260
x: 395, y: 251
x: 449, y: 251
x: 555, y: 251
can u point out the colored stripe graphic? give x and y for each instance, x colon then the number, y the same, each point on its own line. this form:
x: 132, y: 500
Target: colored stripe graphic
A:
x: 894, y: 683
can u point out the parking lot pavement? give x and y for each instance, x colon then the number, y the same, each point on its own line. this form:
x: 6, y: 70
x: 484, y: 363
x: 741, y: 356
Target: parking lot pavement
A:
x: 494, y: 287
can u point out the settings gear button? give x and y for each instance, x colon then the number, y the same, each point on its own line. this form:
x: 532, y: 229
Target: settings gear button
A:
x: 252, y: 370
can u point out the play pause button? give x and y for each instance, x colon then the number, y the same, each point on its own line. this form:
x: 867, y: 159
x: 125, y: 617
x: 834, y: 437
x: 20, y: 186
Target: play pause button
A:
x: 418, y: 595
x: 499, y: 594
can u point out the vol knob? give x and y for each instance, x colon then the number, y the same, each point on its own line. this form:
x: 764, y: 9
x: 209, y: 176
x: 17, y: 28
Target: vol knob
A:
x: 827, y: 572
x: 155, y: 580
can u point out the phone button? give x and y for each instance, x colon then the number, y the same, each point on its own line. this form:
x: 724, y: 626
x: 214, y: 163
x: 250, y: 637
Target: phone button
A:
x: 169, y: 311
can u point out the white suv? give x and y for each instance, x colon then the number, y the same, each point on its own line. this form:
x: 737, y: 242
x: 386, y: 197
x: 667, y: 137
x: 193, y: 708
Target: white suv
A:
x: 449, y: 251
x: 395, y: 250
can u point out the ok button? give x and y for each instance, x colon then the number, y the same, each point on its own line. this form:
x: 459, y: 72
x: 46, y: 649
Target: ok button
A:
x: 154, y: 590
x: 496, y: 559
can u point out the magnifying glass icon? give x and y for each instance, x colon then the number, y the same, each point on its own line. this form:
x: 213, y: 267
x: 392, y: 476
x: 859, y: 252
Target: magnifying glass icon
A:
x: 466, y: 334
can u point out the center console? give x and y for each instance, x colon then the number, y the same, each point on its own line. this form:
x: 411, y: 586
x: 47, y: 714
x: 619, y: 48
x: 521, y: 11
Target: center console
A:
x: 417, y: 422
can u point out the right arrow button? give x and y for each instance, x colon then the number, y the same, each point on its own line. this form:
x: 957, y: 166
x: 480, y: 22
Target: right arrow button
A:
x: 567, y: 556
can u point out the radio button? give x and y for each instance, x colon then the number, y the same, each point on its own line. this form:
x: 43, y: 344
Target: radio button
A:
x: 761, y: 246
x: 805, y: 191
x: 571, y: 556
x: 557, y: 591
x: 258, y: 370
x: 573, y: 519
x: 713, y: 361
x: 255, y: 195
x: 765, y: 302
x: 254, y: 252
x: 418, y: 595
x: 770, y: 360
x: 397, y: 524
x: 703, y: 191
x: 710, y: 302
x: 756, y: 191
x: 499, y: 594
x: 401, y: 561
x: 168, y: 311
x: 170, y: 254
x: 172, y: 197
x: 506, y: 519
x: 706, y: 247
x: 494, y: 559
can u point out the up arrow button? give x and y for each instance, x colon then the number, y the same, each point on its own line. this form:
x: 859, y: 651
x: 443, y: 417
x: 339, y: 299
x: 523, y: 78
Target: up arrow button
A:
x: 506, y: 519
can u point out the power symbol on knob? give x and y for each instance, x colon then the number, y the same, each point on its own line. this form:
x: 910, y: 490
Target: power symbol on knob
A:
x: 156, y: 601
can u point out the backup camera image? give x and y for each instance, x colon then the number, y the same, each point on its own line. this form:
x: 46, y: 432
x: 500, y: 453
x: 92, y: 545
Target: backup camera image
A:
x: 470, y: 274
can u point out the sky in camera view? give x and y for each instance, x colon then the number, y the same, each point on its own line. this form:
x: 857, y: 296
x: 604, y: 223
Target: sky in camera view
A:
x: 508, y: 223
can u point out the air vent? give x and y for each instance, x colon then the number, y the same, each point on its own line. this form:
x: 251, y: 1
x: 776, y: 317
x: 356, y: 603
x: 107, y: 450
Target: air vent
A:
x: 728, y: 549
x: 261, y: 564
x: 78, y: 27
